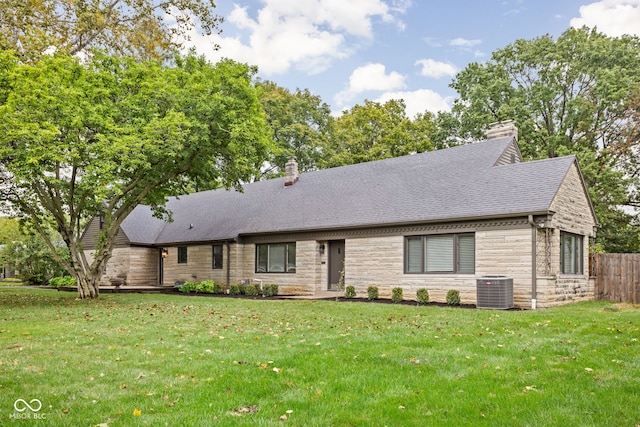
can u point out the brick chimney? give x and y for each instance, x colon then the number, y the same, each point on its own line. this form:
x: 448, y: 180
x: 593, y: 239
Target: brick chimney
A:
x: 502, y: 129
x: 290, y: 172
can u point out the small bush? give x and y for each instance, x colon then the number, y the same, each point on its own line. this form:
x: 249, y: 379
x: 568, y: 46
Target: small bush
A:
x: 57, y: 282
x: 252, y: 290
x: 453, y: 297
x: 422, y: 295
x: 217, y: 288
x: 205, y: 287
x: 236, y: 289
x: 396, y: 295
x: 372, y: 292
x: 188, y: 287
x: 270, y: 290
x: 350, y: 292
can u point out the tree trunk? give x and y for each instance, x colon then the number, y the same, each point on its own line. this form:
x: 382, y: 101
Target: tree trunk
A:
x: 88, y: 286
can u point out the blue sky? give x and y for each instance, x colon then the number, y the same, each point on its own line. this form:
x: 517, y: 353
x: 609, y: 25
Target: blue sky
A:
x: 347, y: 51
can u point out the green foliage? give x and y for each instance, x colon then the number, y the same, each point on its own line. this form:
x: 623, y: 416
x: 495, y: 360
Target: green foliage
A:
x: 270, y: 290
x: 131, y: 28
x: 63, y: 281
x: 372, y: 292
x: 124, y: 131
x: 350, y: 292
x: 572, y: 95
x: 204, y: 287
x: 252, y: 290
x: 237, y: 289
x: 300, y: 123
x: 188, y: 287
x: 422, y: 296
x: 453, y: 297
x: 396, y: 295
x: 29, y: 254
x: 9, y: 230
x: 376, y: 131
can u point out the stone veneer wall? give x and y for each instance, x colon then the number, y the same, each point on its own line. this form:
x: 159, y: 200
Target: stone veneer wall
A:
x: 379, y: 261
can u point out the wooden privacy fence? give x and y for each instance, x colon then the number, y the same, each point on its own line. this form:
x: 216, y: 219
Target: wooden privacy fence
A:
x: 617, y: 277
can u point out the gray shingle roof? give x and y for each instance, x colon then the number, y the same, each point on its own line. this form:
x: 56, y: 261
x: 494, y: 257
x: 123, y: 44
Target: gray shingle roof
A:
x: 457, y: 183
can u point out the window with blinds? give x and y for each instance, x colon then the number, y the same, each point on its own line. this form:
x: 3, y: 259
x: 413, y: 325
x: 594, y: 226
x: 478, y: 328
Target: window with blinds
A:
x: 440, y: 253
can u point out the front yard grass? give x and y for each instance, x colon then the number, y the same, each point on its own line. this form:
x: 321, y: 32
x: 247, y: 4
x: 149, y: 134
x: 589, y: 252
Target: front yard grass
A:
x: 155, y: 360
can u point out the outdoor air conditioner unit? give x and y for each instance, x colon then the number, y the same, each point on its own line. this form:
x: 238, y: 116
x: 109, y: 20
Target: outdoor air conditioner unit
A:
x: 494, y: 292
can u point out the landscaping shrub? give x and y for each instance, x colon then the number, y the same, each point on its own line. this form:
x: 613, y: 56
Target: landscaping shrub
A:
x: 350, y: 292
x: 372, y: 292
x: 396, y: 295
x: 270, y: 290
x: 57, y: 282
x: 188, y: 287
x: 422, y: 295
x: 217, y: 288
x: 453, y: 297
x: 205, y: 287
x: 252, y: 290
x: 236, y: 289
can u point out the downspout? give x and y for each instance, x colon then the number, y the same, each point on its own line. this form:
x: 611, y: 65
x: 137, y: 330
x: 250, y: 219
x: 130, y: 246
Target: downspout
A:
x: 228, y: 264
x: 534, y: 277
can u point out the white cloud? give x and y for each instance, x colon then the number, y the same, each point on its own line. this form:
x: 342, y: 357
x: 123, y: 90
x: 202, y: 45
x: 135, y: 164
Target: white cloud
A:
x: 419, y: 101
x: 612, y: 17
x: 370, y: 77
x: 436, y: 69
x: 466, y: 43
x: 304, y: 34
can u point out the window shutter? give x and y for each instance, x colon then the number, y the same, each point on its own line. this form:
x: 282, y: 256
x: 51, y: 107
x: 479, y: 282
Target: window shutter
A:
x: 466, y: 253
x: 439, y: 253
x: 414, y: 255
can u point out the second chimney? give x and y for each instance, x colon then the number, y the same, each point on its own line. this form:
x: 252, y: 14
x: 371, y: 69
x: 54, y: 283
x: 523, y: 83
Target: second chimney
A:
x: 290, y: 172
x: 502, y: 129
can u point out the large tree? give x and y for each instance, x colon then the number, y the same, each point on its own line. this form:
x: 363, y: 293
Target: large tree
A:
x: 570, y: 95
x: 300, y: 123
x: 375, y: 131
x: 80, y: 140
x: 140, y: 28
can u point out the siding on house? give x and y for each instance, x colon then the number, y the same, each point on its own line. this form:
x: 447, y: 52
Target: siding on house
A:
x: 90, y: 235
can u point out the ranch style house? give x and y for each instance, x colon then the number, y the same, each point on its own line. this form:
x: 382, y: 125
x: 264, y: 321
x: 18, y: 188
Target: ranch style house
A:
x: 439, y: 220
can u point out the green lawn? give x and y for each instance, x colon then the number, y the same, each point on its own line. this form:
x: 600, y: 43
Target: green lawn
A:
x: 155, y: 360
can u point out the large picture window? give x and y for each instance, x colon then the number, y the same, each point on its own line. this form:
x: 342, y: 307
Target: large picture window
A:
x: 571, y: 253
x: 216, y: 255
x: 276, y: 258
x: 440, y: 253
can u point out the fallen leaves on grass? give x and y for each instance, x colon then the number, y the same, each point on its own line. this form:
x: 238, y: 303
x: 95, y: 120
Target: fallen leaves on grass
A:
x: 238, y: 412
